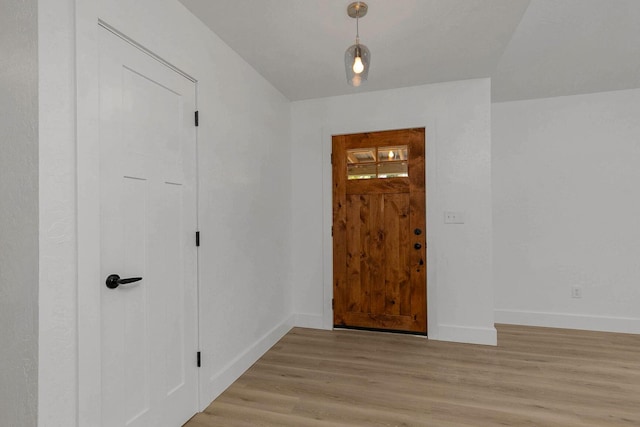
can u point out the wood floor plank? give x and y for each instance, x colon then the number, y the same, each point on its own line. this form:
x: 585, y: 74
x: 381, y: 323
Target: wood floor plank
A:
x: 534, y: 377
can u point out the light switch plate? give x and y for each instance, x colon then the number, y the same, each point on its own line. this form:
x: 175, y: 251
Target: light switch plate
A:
x: 454, y: 217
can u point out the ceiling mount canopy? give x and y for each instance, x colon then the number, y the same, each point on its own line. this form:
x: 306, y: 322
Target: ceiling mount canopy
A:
x: 357, y: 58
x: 357, y: 9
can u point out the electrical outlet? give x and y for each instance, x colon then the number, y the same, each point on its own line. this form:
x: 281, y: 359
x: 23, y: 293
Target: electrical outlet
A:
x: 576, y: 292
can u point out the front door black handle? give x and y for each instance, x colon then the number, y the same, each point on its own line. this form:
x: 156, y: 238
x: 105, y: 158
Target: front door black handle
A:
x: 113, y: 281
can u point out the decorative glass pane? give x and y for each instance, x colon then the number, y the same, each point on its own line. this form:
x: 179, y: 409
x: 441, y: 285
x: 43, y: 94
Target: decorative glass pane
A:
x: 363, y: 171
x: 393, y: 169
x: 361, y: 155
x: 383, y: 162
x: 392, y: 154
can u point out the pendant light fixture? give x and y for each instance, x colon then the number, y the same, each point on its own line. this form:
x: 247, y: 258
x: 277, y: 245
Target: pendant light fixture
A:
x: 357, y: 57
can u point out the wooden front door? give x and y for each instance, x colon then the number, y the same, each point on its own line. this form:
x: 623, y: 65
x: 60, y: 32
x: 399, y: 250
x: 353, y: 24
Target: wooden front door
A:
x: 379, y: 235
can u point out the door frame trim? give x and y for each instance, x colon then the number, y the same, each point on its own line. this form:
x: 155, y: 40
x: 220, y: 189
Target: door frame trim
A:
x: 88, y: 321
x: 138, y: 46
x: 431, y: 211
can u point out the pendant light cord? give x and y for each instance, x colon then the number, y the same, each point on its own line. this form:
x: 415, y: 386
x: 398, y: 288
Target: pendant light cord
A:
x: 357, y: 22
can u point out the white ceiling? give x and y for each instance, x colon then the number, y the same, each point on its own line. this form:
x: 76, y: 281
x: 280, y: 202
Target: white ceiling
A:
x: 530, y: 48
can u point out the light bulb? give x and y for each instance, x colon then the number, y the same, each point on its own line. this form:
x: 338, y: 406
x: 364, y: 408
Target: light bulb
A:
x: 391, y: 155
x: 358, y: 66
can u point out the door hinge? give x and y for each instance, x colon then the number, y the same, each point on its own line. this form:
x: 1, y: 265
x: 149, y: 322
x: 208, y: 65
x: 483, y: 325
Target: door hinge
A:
x: 333, y: 303
x: 332, y: 231
x: 331, y: 158
x: 198, y: 359
x: 197, y: 238
x: 196, y: 118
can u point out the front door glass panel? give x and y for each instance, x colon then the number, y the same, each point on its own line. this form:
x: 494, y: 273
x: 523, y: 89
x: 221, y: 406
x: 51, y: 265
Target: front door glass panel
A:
x: 377, y: 162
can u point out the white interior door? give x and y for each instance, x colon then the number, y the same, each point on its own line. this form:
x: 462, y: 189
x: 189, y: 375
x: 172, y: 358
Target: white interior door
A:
x: 148, y: 222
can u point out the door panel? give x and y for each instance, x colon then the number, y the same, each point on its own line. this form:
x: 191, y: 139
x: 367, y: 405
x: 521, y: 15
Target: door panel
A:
x: 148, y: 221
x: 379, y: 258
x: 135, y: 197
x: 396, y: 253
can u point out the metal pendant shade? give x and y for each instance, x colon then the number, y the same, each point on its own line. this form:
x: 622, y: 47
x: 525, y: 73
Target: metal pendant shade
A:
x: 357, y: 58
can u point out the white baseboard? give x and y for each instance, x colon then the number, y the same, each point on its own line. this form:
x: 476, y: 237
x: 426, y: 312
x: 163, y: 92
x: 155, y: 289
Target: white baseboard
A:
x: 313, y: 321
x: 467, y: 335
x: 462, y: 334
x: 220, y: 381
x: 569, y: 321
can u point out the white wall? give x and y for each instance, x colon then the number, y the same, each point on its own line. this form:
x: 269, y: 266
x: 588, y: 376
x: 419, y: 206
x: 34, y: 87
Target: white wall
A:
x: 57, y: 370
x: 18, y: 213
x: 244, y: 208
x: 567, y: 212
x: 459, y: 257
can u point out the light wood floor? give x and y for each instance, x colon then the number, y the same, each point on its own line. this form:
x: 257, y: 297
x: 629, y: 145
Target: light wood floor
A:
x: 535, y: 377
